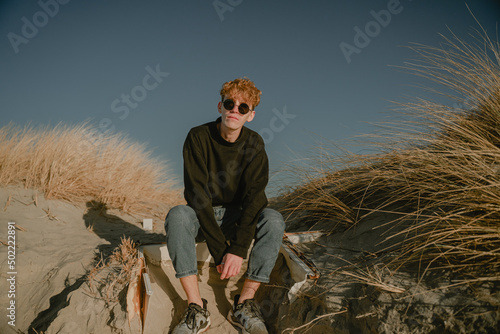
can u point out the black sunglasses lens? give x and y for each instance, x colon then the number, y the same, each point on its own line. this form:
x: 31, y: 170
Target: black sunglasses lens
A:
x: 229, y: 104
x: 243, y: 108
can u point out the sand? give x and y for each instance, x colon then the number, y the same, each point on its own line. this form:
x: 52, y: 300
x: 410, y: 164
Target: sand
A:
x: 58, y: 244
x: 55, y: 248
x: 168, y: 300
x: 367, y: 297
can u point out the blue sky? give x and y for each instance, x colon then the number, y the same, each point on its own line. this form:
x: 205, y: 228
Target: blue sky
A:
x: 153, y: 69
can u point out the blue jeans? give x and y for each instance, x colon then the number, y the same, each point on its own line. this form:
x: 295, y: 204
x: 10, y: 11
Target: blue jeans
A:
x: 182, y: 228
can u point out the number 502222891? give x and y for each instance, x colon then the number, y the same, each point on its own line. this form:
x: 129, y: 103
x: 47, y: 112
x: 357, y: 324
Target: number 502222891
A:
x: 11, y: 253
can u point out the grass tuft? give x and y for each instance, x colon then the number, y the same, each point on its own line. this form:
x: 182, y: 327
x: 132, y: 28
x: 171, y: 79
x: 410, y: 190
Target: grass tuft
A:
x: 438, y: 167
x: 78, y: 164
x: 108, y: 277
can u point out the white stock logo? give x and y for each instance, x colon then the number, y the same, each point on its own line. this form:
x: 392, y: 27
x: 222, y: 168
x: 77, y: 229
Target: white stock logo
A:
x: 372, y: 29
x: 221, y: 7
x: 277, y: 124
x: 30, y: 28
x: 139, y: 92
x: 122, y: 105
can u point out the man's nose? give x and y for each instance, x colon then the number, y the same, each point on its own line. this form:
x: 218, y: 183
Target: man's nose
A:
x: 235, y: 108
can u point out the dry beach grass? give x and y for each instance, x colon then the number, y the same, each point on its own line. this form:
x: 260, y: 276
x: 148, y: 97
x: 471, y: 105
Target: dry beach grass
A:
x: 439, y: 167
x: 100, y: 175
x: 432, y: 191
x: 79, y: 163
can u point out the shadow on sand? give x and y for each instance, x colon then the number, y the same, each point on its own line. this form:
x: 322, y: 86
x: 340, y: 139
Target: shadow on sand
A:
x: 112, y: 229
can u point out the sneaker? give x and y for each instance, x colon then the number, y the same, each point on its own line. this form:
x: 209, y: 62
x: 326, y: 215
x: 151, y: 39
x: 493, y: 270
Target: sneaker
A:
x: 247, y: 316
x: 195, y: 320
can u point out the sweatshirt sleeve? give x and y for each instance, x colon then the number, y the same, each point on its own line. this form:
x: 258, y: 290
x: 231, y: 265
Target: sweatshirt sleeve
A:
x: 255, y: 181
x: 197, y: 195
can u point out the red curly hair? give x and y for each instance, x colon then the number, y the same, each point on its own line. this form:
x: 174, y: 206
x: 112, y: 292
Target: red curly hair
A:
x: 244, y: 88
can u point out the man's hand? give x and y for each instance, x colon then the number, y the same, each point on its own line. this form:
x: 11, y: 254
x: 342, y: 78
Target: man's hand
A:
x: 230, y: 266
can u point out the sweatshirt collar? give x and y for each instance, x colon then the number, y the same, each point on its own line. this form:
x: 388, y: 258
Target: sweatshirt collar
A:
x: 217, y: 136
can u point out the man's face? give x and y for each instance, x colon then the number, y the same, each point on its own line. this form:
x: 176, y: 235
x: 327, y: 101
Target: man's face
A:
x: 233, y: 119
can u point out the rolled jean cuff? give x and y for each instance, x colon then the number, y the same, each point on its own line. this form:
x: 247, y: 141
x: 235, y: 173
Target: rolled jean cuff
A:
x: 260, y: 279
x: 186, y: 273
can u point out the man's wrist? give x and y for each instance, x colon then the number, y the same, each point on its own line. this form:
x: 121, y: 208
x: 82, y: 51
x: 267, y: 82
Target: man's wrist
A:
x: 238, y: 251
x: 229, y: 253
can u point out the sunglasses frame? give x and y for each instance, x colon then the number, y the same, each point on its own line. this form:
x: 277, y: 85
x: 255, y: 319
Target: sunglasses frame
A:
x: 241, y: 107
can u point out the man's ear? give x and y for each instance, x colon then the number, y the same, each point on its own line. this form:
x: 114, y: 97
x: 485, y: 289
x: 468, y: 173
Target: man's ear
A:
x: 251, y: 116
x: 219, y: 107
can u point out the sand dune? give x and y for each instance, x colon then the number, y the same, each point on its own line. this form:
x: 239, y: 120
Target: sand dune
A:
x: 56, y: 248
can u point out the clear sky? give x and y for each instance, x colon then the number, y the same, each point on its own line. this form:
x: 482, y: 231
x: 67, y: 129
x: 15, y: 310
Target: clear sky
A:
x: 153, y: 69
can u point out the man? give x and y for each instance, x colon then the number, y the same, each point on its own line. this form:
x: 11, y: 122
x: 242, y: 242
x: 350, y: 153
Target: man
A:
x: 225, y: 174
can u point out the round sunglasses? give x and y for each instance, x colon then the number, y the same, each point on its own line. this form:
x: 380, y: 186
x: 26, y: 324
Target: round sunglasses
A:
x: 243, y: 108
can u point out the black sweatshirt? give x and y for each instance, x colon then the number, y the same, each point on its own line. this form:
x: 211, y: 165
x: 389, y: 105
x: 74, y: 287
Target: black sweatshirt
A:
x: 217, y: 172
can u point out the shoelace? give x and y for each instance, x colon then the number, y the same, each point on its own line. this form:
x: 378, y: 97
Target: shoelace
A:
x: 191, y: 316
x: 253, y: 310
